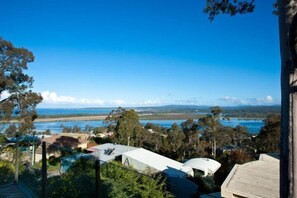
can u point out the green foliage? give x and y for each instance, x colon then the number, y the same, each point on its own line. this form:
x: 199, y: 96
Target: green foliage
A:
x: 128, y: 183
x: 100, y: 140
x: 79, y: 181
x: 236, y: 136
x: 21, y: 100
x: 32, y: 179
x: 74, y: 129
x: 126, y: 125
x: 46, y: 132
x: 229, y: 7
x: 63, y: 144
x: 6, y: 172
x: 268, y: 140
x: 190, y: 129
x: 175, y: 137
x: 2, y: 139
x: 210, y: 125
x: 117, y: 181
x: 11, y: 130
x: 98, y: 130
x: 52, y: 160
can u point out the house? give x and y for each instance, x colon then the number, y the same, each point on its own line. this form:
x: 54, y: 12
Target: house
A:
x: 254, y: 179
x: 58, y: 142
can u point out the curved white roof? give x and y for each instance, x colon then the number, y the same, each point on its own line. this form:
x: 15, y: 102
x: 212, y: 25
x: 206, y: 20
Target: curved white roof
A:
x: 208, y: 166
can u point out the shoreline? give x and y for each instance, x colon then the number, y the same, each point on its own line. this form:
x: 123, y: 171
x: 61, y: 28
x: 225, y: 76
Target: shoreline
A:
x: 169, y: 116
x: 72, y: 118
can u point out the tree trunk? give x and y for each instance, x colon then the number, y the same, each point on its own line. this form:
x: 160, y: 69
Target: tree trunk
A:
x: 288, y: 146
x: 214, y: 148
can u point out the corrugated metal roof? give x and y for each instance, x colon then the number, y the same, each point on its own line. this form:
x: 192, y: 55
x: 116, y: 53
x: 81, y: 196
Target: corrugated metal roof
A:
x: 254, y: 179
x: 117, y: 150
x: 159, y: 162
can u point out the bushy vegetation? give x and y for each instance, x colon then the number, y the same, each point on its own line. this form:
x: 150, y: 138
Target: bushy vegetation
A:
x: 116, y: 181
x: 6, y: 172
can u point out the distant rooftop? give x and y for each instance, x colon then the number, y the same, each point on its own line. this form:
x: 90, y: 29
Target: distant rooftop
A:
x: 107, y: 152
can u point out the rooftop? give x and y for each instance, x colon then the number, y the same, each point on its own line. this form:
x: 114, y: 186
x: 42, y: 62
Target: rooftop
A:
x: 208, y: 166
x: 159, y: 162
x: 101, y: 151
x: 254, y: 179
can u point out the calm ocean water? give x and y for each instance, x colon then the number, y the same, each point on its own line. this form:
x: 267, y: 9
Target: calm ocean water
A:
x: 71, y: 111
x: 253, y: 126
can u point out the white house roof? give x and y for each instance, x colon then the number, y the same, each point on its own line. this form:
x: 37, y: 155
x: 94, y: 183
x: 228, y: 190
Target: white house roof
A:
x: 254, y: 179
x: 101, y: 151
x: 208, y: 166
x: 159, y: 162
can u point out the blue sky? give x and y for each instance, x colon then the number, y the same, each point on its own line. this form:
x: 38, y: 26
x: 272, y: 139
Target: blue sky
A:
x: 145, y: 52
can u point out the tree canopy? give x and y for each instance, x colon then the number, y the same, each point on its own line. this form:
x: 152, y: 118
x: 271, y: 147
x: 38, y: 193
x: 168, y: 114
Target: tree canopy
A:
x: 268, y: 140
x: 126, y: 126
x: 16, y: 95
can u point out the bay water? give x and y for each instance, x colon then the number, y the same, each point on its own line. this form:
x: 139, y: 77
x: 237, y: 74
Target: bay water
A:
x: 253, y: 126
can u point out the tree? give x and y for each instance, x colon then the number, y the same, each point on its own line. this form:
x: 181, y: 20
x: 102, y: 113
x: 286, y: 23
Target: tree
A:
x: 116, y: 181
x: 211, y: 125
x: 269, y: 137
x: 286, y: 10
x: 126, y: 126
x: 16, y: 85
x: 175, y: 137
x: 175, y: 143
x: 64, y: 144
x: 2, y: 139
x: 190, y: 129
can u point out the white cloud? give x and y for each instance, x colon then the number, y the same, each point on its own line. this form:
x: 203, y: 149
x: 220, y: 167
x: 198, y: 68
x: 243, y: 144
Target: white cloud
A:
x: 248, y: 101
x: 91, y: 102
x: 233, y: 100
x: 117, y: 102
x: 267, y: 99
x: 151, y: 102
x: 53, y: 98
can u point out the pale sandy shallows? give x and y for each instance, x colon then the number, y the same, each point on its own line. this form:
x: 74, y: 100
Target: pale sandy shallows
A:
x: 75, y: 118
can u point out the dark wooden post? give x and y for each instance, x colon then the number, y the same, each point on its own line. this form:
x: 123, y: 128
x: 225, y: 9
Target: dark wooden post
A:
x: 44, y: 170
x: 17, y: 156
x: 288, y: 138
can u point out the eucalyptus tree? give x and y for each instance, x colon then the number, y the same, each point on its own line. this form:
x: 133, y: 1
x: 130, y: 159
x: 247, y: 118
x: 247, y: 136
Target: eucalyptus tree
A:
x: 16, y: 95
x: 126, y: 126
x: 176, y: 140
x: 191, y: 132
x: 175, y: 137
x: 268, y: 138
x: 210, y: 125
